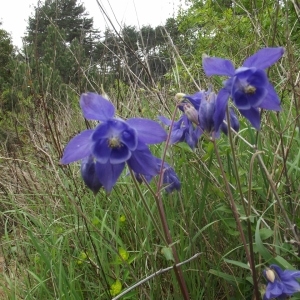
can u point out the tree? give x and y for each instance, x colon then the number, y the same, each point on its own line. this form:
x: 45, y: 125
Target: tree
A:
x: 68, y: 17
x: 6, y: 50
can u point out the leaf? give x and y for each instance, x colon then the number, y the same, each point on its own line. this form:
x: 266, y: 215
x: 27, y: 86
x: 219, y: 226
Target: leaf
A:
x: 269, y: 259
x: 237, y: 263
x: 232, y: 279
x: 260, y: 246
x: 265, y: 233
x: 168, y: 253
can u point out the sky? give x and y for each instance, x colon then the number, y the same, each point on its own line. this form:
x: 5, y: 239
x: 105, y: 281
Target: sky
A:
x: 14, y: 14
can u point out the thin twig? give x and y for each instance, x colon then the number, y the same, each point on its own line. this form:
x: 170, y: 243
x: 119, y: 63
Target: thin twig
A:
x: 153, y: 275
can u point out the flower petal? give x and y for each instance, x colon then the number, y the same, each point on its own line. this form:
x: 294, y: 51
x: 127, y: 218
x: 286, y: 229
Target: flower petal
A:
x: 89, y: 176
x: 108, y: 174
x: 244, y: 100
x: 119, y: 155
x: 118, y: 129
x: 142, y: 161
x: 287, y: 274
x: 234, y: 122
x: 271, y: 101
x: 171, y: 180
x: 101, y: 151
x: 290, y: 286
x: 274, y: 290
x: 253, y: 116
x: 177, y: 135
x: 165, y: 120
x: 221, y: 103
x: 264, y: 58
x: 149, y: 131
x: 79, y: 147
x: 217, y: 66
x: 206, y: 113
x: 129, y: 138
x: 196, y: 98
x: 96, y: 107
x: 258, y: 78
x: 102, y: 131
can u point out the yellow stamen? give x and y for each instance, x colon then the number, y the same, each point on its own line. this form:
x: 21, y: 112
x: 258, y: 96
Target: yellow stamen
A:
x: 250, y: 89
x: 114, y: 142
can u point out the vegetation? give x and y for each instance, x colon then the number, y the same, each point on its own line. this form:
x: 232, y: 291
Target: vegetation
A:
x: 60, y: 241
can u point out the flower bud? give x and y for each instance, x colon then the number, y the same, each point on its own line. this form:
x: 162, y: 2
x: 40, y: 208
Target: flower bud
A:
x: 206, y: 112
x: 270, y: 275
x: 179, y: 96
x: 191, y: 113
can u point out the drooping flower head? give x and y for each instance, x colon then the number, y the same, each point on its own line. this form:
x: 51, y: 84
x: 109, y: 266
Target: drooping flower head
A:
x: 114, y: 142
x: 89, y: 175
x: 207, y: 111
x: 199, y: 115
x: 281, y: 284
x: 170, y: 178
x: 183, y: 130
x: 248, y: 86
x: 187, y: 128
x: 234, y: 122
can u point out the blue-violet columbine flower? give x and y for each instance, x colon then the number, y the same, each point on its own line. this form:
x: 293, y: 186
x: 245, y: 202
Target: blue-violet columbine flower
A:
x: 187, y: 128
x: 234, y: 122
x: 170, y: 178
x: 114, y: 142
x: 248, y: 85
x: 183, y: 130
x: 207, y: 110
x: 89, y: 175
x: 281, y: 284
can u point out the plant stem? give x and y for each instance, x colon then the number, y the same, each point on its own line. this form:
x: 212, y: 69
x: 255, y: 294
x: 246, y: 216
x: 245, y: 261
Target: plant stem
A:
x: 162, y: 215
x: 236, y: 217
x: 247, y: 211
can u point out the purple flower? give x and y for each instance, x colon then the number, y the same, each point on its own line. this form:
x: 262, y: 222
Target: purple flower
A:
x: 234, y: 122
x: 183, y: 130
x: 89, y: 175
x: 281, y: 284
x: 170, y: 178
x: 196, y: 98
x: 248, y: 86
x: 112, y: 143
x: 207, y: 111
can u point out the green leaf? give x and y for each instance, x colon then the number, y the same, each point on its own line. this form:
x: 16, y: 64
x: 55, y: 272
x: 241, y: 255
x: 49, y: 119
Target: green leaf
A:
x: 237, y: 263
x: 232, y: 279
x: 269, y: 259
x: 265, y: 233
x: 168, y: 253
x: 260, y: 246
